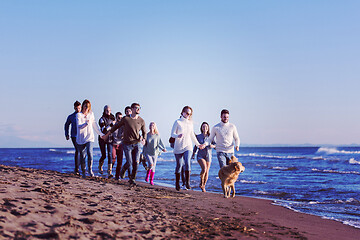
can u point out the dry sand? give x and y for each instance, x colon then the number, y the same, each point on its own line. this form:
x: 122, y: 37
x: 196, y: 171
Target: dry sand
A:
x: 40, y: 204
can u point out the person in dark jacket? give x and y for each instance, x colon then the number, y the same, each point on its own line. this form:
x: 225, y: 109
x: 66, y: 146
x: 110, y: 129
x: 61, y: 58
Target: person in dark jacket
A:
x: 106, y: 122
x: 71, y: 120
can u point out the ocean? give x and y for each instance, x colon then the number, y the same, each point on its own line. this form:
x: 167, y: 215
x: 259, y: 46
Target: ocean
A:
x: 322, y: 181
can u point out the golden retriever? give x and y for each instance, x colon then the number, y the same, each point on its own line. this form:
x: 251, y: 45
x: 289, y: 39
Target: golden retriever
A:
x: 228, y: 176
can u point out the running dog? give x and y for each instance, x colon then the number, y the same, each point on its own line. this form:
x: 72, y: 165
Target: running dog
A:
x: 228, y: 176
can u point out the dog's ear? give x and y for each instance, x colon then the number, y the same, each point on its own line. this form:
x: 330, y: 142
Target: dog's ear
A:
x: 233, y: 159
x: 238, y: 166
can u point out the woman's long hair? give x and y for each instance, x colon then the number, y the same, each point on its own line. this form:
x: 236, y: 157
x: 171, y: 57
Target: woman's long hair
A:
x: 208, y: 131
x: 184, y: 109
x: 87, y: 104
x: 155, y: 127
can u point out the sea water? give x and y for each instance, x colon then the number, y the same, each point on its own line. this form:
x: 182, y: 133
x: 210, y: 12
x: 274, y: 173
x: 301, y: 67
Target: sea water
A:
x: 323, y: 181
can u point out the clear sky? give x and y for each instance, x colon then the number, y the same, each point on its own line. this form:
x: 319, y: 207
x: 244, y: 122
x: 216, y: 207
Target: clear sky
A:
x: 288, y: 71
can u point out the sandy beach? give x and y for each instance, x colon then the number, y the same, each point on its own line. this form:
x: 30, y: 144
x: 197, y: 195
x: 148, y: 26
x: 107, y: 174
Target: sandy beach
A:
x: 40, y: 204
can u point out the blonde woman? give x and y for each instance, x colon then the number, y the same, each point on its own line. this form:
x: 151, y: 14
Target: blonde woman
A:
x: 183, y: 132
x: 152, y: 150
x: 85, y: 122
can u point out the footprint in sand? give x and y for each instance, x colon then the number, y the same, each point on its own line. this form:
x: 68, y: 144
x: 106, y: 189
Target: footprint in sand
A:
x: 26, y: 199
x: 30, y: 224
x: 48, y: 207
x: 93, y: 204
x: 87, y: 220
x: 144, y: 231
x: 108, y: 197
x: 16, y: 213
x: 104, y: 235
x: 7, y: 202
x: 91, y: 212
x: 48, y: 235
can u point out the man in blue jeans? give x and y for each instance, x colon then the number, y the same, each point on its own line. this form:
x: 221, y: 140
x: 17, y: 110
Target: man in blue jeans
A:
x: 71, y: 120
x: 132, y: 141
x: 226, y: 134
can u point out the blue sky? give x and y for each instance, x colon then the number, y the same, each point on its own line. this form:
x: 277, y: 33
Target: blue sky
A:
x: 288, y: 71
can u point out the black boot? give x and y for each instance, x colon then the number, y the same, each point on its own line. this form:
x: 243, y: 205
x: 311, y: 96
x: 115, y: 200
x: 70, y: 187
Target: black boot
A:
x: 177, y: 183
x: 187, y: 180
x: 183, y: 176
x: 101, y: 163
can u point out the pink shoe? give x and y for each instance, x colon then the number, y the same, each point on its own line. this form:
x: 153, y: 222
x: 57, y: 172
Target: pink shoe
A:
x: 152, y: 173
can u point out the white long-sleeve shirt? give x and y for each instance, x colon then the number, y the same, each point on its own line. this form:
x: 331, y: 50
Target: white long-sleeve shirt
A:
x: 185, y: 127
x: 85, y: 129
x: 225, y: 134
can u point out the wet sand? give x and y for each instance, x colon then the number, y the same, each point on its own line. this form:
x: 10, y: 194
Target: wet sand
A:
x: 40, y: 204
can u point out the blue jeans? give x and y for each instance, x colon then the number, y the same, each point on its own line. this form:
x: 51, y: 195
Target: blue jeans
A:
x: 183, y: 159
x: 132, y: 155
x: 86, y: 149
x: 224, y: 158
x: 151, y: 160
x: 77, y: 154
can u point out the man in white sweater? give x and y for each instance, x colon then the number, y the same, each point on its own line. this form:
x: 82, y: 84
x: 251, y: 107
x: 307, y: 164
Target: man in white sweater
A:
x: 225, y: 134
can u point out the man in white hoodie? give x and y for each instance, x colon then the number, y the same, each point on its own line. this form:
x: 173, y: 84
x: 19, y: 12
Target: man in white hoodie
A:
x: 226, y: 134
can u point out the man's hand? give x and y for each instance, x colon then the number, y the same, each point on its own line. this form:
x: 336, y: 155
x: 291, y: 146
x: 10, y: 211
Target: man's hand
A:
x: 237, y: 148
x: 202, y: 146
x: 105, y: 137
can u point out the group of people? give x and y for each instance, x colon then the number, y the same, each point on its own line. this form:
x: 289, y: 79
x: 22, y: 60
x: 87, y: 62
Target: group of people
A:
x: 127, y: 135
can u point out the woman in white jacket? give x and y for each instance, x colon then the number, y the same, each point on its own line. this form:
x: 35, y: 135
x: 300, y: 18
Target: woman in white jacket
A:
x: 85, y: 122
x: 183, y: 132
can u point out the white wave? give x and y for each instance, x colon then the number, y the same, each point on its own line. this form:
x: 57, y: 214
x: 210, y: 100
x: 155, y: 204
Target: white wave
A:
x: 355, y: 224
x: 285, y: 205
x: 335, y: 171
x: 269, y: 156
x: 332, y: 150
x: 70, y: 152
x: 279, y: 168
x: 165, y: 160
x: 353, y: 161
x: 252, y: 182
x: 52, y: 150
x: 289, y: 205
x: 337, y: 201
x: 352, y: 200
x: 261, y: 192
